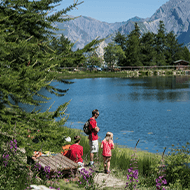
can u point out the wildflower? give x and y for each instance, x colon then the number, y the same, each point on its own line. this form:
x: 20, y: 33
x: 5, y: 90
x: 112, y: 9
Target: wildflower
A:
x: 133, y: 172
x: 160, y: 180
x: 164, y: 181
x: 6, y: 157
x: 130, y: 170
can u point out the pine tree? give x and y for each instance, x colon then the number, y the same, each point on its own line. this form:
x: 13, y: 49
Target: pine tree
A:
x: 148, y: 52
x: 160, y: 44
x: 133, y: 57
x: 173, y: 48
x: 25, y: 63
x: 185, y: 54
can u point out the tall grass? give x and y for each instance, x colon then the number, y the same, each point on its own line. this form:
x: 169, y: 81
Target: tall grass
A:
x: 17, y: 174
x: 121, y: 157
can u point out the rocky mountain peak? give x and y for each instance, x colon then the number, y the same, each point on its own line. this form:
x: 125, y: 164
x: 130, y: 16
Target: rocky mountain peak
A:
x: 174, y: 13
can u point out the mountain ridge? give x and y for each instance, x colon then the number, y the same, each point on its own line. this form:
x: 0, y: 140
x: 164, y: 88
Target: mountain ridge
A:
x: 174, y: 13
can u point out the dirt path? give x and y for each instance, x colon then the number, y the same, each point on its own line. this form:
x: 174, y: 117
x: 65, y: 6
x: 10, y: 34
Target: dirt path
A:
x: 109, y: 180
x: 101, y: 179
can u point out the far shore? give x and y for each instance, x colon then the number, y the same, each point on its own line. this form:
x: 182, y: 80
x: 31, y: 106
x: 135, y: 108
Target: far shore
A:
x: 120, y: 74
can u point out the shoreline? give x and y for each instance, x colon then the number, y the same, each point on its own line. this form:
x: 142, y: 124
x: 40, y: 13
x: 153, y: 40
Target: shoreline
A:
x: 120, y: 74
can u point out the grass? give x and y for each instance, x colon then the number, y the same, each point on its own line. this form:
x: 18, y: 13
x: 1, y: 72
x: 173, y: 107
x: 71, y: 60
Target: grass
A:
x: 120, y: 160
x: 148, y: 167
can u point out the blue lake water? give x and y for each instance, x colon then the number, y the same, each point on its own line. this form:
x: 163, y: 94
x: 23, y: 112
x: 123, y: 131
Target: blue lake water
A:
x: 152, y: 109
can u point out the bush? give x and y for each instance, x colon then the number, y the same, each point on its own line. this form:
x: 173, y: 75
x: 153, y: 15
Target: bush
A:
x: 177, y: 170
x: 14, y: 173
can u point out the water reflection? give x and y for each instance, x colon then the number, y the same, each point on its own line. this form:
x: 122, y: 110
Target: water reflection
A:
x: 173, y: 82
x: 161, y: 89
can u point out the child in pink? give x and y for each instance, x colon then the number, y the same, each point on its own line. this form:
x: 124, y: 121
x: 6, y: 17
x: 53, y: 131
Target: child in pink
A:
x: 107, y: 144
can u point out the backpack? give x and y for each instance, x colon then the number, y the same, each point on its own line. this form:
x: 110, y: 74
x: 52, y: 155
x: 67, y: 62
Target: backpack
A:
x: 86, y: 128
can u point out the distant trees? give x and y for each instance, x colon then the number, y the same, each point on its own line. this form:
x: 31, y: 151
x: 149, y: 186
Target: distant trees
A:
x: 113, y: 53
x: 160, y: 44
x: 148, y: 52
x: 92, y: 59
x: 133, y: 48
x: 150, y: 49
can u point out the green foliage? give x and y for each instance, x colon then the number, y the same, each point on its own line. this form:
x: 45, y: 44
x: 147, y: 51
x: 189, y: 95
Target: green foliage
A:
x: 150, y: 49
x: 92, y: 59
x: 160, y: 44
x: 113, y: 53
x: 86, y: 179
x: 28, y: 64
x: 173, y: 49
x: 62, y: 47
x: 133, y: 57
x: 120, y: 40
x: 177, y: 167
x: 12, y: 176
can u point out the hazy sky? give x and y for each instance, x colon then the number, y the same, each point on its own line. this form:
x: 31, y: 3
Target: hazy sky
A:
x: 114, y: 10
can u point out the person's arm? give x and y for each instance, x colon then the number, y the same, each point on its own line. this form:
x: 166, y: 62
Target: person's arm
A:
x: 97, y: 129
x: 112, y: 145
x: 101, y: 145
x: 81, y: 151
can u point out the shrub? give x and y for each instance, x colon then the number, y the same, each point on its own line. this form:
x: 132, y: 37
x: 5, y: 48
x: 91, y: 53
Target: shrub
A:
x: 14, y: 174
x: 177, y: 170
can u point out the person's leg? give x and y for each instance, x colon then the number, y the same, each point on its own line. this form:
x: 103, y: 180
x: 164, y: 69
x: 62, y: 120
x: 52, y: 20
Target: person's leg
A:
x: 91, y: 153
x: 91, y: 156
x: 94, y: 149
x: 105, y: 163
x: 108, y: 165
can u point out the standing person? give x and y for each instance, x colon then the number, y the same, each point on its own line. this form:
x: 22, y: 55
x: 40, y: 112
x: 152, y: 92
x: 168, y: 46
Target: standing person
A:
x: 93, y: 137
x: 107, y: 144
x: 76, y: 152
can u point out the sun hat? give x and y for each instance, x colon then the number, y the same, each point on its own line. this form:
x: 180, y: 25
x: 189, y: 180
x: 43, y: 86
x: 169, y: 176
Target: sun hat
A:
x: 68, y: 139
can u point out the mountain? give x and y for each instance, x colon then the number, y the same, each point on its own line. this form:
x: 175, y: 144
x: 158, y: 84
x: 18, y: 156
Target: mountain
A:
x: 174, y: 13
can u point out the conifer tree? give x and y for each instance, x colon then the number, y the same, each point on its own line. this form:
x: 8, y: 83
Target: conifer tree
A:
x: 173, y: 48
x: 148, y: 52
x: 160, y: 44
x: 185, y: 54
x: 25, y: 63
x: 133, y: 57
x: 63, y: 47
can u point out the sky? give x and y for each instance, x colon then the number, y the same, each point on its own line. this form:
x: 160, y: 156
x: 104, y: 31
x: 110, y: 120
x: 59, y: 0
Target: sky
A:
x: 114, y: 10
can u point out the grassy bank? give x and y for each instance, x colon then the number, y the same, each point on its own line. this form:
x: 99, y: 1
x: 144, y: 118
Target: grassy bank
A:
x: 150, y: 166
x: 147, y: 168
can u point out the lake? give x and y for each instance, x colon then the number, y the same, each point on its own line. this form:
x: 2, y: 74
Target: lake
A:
x: 152, y: 109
